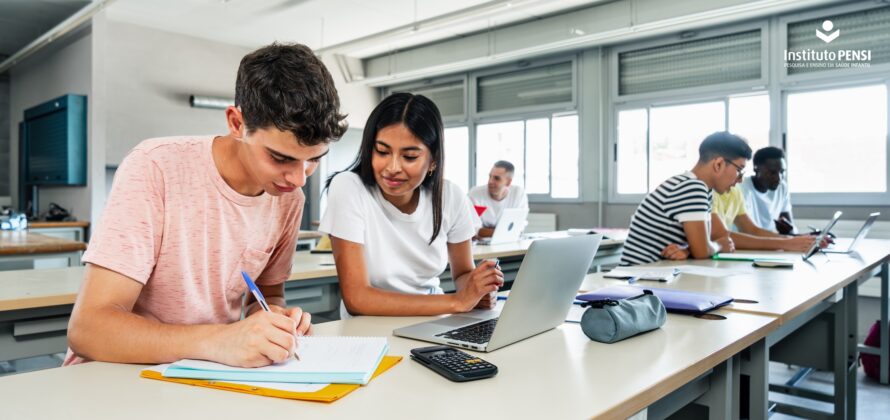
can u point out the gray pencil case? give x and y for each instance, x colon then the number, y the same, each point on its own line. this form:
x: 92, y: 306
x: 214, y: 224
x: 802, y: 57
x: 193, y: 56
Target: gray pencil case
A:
x: 610, y: 320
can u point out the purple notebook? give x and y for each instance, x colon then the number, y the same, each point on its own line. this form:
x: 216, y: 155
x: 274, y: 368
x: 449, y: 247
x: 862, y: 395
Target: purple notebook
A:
x: 674, y: 300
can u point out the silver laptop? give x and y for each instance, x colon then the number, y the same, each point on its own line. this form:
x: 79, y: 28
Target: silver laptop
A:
x: 838, y: 248
x: 508, y: 229
x: 542, y: 293
x: 815, y: 248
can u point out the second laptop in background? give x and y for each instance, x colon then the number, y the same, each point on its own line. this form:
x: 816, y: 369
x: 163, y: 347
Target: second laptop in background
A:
x: 509, y: 227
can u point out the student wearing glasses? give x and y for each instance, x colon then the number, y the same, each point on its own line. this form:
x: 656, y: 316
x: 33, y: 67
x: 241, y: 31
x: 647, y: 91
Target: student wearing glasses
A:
x: 395, y: 223
x: 674, y: 220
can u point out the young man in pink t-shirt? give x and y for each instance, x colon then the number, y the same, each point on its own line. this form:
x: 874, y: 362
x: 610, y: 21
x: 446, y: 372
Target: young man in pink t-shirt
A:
x: 187, y: 214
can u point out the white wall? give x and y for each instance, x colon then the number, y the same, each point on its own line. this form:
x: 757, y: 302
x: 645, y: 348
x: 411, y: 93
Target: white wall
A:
x: 149, y: 77
x: 62, y: 68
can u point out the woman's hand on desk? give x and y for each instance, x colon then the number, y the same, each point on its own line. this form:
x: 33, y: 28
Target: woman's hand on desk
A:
x: 261, y: 339
x: 482, y: 283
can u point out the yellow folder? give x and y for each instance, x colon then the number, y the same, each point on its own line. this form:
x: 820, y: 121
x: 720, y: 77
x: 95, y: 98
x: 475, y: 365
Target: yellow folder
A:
x: 328, y: 394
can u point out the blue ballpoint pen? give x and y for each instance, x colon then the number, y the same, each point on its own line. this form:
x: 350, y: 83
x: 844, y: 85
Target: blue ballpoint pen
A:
x: 262, y: 301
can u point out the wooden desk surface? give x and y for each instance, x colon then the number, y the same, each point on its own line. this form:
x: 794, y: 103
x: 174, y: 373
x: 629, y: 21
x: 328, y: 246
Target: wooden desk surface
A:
x: 784, y: 293
x: 24, y: 242
x: 557, y: 374
x: 77, y: 223
x: 24, y: 289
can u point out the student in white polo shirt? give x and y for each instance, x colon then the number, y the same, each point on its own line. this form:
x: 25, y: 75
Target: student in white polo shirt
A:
x: 497, y: 195
x: 396, y: 223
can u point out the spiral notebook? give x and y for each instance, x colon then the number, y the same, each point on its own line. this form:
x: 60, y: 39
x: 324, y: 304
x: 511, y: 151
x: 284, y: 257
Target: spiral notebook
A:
x: 340, y: 360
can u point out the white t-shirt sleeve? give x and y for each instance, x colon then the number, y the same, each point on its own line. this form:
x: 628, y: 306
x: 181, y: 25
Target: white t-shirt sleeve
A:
x: 523, y: 198
x: 344, y: 217
x: 460, y: 212
x: 786, y: 205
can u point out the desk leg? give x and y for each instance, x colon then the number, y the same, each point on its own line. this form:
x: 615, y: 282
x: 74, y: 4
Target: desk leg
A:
x: 755, y: 365
x: 885, y: 331
x: 736, y: 386
x: 845, y: 350
x: 719, y: 397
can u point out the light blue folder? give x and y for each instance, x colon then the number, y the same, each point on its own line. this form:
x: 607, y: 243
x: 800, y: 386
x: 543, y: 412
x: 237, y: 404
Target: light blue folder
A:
x: 306, y: 372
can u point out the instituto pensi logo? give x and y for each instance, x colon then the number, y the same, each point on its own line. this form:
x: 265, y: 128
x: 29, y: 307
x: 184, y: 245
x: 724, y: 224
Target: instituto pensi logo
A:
x: 827, y: 36
x: 829, y: 57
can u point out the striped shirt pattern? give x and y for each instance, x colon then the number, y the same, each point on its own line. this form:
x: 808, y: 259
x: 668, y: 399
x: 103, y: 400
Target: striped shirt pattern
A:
x: 658, y: 221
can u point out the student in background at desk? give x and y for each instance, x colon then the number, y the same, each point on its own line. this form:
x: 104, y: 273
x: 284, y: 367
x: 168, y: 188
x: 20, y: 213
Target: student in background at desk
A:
x: 187, y: 214
x: 497, y: 195
x: 729, y: 209
x: 395, y: 222
x: 767, y: 198
x: 673, y: 221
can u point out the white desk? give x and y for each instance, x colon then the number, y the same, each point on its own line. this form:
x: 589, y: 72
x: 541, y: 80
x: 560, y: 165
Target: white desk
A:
x: 557, y: 374
x: 816, y: 299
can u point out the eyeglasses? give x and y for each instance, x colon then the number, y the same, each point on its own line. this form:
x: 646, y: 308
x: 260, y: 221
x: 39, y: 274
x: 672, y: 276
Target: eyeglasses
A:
x: 739, y: 169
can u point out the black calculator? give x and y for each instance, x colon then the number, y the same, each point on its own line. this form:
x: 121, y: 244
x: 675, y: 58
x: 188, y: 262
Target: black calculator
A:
x: 453, y: 364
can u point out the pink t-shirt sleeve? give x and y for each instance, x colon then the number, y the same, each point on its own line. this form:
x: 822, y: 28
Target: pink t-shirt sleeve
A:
x: 128, y: 237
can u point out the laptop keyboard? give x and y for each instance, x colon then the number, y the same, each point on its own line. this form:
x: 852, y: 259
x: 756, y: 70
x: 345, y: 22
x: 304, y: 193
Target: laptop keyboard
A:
x: 478, y: 333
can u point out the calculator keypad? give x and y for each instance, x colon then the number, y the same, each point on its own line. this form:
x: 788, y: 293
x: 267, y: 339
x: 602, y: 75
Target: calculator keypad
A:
x: 461, y: 362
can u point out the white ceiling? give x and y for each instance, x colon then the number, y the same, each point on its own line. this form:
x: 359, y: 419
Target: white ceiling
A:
x: 359, y: 28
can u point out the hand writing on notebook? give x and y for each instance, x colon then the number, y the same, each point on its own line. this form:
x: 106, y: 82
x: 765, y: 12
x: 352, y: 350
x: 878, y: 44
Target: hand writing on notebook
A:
x: 480, y: 287
x: 261, y: 339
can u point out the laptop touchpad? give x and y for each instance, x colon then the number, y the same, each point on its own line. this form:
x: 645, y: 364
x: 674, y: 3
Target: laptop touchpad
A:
x: 455, y: 321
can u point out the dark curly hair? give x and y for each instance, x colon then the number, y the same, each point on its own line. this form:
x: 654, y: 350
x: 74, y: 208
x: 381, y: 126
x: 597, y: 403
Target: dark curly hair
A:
x: 288, y: 87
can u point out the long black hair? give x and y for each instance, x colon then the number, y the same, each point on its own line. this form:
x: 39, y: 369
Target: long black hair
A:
x: 421, y: 116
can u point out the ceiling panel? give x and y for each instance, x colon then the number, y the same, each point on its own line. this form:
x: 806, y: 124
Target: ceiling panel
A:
x: 22, y: 21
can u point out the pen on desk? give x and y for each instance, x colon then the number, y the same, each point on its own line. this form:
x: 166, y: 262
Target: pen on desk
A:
x: 262, y: 302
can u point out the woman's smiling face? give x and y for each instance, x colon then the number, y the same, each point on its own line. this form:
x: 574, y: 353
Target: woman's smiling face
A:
x: 401, y: 162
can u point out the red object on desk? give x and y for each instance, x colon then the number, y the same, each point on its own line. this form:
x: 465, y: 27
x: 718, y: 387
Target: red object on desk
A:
x: 479, y: 210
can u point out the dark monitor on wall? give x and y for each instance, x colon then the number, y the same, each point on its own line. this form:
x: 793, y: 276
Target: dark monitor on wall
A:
x: 53, y: 143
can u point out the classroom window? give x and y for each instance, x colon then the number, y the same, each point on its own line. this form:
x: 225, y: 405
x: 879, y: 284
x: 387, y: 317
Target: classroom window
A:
x: 544, y: 151
x: 658, y: 142
x: 749, y: 118
x: 675, y: 133
x: 829, y: 132
x: 457, y: 156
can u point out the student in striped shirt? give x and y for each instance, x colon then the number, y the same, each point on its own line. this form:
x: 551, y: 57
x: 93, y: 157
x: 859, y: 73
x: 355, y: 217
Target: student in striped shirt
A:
x: 673, y: 221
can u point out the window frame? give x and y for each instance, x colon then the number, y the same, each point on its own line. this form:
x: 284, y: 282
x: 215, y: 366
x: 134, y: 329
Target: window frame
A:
x: 614, y: 196
x: 535, y: 198
x: 828, y: 198
x: 472, y: 118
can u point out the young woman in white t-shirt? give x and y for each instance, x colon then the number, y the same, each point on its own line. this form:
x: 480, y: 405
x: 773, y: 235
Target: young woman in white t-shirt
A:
x: 395, y: 222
